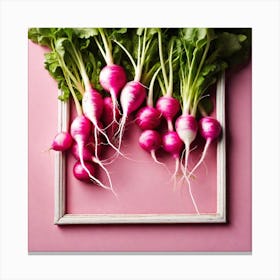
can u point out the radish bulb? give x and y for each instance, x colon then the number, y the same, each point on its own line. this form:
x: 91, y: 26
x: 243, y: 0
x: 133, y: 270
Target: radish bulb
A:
x: 113, y: 78
x: 210, y: 130
x: 133, y: 93
x: 173, y: 145
x: 186, y: 127
x: 132, y: 96
x: 169, y: 107
x: 62, y: 141
x: 81, y: 174
x: 88, y: 156
x: 150, y: 141
x: 80, y: 131
x: 148, y: 118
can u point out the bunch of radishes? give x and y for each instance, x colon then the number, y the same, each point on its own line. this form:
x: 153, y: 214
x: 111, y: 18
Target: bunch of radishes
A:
x: 178, y: 64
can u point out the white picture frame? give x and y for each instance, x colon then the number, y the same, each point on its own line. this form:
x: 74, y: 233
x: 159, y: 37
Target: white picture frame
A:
x: 63, y: 218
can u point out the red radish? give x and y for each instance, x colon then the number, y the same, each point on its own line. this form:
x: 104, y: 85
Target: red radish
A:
x: 92, y: 104
x: 186, y: 127
x: 132, y: 96
x: 81, y: 126
x: 134, y: 93
x: 210, y: 130
x: 172, y: 144
x: 150, y: 141
x: 80, y: 173
x: 168, y: 105
x: 113, y: 78
x: 88, y: 156
x: 169, y: 108
x: 80, y: 131
x: 62, y: 141
x: 148, y: 118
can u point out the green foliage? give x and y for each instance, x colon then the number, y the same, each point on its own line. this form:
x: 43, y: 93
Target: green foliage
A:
x: 70, y: 54
x: 85, y: 33
x: 198, y: 57
x: 204, y: 54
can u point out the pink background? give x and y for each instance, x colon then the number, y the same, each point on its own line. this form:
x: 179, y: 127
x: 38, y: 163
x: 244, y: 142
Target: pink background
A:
x: 43, y: 235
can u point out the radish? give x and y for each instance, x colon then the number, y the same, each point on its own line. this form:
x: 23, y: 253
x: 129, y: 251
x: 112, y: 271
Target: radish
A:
x: 92, y: 104
x: 195, y: 44
x: 112, y: 77
x: 173, y: 145
x: 92, y: 101
x: 132, y: 96
x: 203, y: 54
x: 186, y: 127
x: 80, y: 131
x: 210, y: 130
x: 168, y: 105
x: 134, y: 92
x: 80, y: 172
x: 81, y: 126
x: 88, y: 156
x: 191, y: 65
x: 150, y: 141
x: 62, y: 141
x: 149, y: 117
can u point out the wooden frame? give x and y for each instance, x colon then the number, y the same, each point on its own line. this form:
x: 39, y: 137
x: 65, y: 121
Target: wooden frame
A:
x: 62, y: 218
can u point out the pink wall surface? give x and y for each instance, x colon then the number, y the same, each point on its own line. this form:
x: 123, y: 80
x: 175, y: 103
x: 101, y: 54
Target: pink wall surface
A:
x: 44, y: 236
